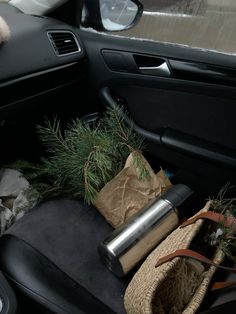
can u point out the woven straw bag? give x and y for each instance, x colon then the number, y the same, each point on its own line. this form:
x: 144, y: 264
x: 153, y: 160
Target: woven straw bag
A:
x: 143, y: 293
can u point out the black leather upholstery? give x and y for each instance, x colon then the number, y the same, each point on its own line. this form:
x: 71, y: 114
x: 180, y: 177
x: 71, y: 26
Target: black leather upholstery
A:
x: 51, y: 255
x: 43, y: 281
x: 226, y: 308
x: 8, y: 299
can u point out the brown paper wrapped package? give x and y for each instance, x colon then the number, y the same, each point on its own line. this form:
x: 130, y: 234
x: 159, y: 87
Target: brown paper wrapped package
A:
x: 126, y: 194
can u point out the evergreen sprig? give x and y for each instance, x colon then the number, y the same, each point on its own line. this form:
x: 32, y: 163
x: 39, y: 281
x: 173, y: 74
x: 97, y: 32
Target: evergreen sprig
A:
x: 83, y: 158
x: 226, y: 206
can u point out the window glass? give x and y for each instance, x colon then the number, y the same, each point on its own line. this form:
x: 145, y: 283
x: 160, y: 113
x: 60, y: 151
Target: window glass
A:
x: 38, y: 7
x: 205, y: 24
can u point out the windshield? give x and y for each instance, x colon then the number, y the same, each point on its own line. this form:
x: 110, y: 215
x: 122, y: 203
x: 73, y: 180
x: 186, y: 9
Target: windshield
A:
x: 38, y: 7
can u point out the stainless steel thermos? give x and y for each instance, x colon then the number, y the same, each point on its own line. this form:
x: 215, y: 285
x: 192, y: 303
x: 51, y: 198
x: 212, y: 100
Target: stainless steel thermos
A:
x: 132, y: 241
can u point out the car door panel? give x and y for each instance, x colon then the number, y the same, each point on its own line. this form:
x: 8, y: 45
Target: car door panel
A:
x: 191, y: 109
x: 171, y: 137
x: 187, y: 117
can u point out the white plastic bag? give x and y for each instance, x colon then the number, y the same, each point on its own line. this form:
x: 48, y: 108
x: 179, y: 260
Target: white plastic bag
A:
x: 16, y: 197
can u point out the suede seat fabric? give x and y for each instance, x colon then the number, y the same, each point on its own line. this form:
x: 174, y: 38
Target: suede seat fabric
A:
x: 68, y: 233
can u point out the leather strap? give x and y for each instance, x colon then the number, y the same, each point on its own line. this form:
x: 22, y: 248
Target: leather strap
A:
x: 222, y: 285
x: 228, y: 221
x: 194, y: 255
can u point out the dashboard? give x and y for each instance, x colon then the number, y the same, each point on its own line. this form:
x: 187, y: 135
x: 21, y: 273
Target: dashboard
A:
x: 42, y: 55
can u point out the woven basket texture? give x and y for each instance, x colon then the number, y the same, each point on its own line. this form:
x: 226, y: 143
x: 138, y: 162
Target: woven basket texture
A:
x: 144, y: 286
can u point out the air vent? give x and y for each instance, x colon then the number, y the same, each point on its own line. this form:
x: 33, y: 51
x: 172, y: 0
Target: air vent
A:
x: 64, y: 42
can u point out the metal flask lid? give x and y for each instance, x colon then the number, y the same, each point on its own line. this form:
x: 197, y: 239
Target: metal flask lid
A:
x: 132, y: 241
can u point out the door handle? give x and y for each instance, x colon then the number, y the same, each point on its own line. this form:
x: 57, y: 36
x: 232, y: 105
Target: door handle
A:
x: 160, y: 70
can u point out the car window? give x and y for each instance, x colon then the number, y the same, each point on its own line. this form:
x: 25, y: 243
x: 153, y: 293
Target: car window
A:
x: 38, y: 7
x: 204, y: 24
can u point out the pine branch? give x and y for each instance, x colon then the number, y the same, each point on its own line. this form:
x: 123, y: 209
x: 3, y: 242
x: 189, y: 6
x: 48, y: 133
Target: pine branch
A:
x: 113, y: 122
x: 227, y: 207
x: 82, y: 159
x: 51, y: 136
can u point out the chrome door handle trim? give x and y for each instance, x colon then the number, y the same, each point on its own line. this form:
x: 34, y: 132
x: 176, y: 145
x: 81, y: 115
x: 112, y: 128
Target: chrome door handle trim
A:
x: 161, y: 70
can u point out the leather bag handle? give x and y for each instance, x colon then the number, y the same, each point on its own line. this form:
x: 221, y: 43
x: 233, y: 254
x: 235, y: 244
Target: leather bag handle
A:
x: 192, y: 254
x: 228, y: 221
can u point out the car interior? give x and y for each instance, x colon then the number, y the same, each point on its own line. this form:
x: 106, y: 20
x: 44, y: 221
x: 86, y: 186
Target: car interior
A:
x: 181, y: 100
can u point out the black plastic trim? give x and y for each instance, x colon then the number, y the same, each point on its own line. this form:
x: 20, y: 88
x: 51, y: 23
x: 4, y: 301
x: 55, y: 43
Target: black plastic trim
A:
x: 177, y: 194
x: 28, y: 49
x: 54, y: 45
x: 129, y: 62
x: 193, y: 71
x: 95, y: 42
x: 179, y: 141
x: 41, y: 280
x: 7, y: 297
x: 228, y: 308
x: 31, y: 85
x: 198, y: 147
x: 108, y: 100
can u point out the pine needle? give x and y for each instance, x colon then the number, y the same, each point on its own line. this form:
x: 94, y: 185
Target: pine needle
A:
x: 226, y: 206
x: 82, y: 159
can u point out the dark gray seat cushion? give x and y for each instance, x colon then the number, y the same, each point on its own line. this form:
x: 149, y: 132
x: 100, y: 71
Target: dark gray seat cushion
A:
x: 68, y: 232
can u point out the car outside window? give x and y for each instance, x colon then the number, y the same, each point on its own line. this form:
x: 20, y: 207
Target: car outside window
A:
x: 38, y: 7
x: 204, y: 24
